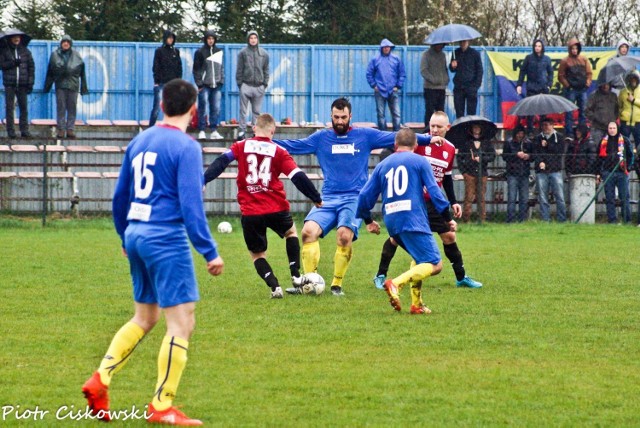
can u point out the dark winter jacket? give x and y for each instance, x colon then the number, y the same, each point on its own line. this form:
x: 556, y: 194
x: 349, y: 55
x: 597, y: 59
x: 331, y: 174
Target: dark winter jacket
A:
x: 538, y: 71
x: 602, y: 109
x: 575, y: 71
x: 469, y: 69
x: 433, y: 67
x: 551, y: 155
x: 253, y: 65
x: 515, y: 166
x: 208, y: 71
x: 581, y: 156
x: 467, y: 150
x: 608, y: 156
x: 18, y: 69
x: 167, y: 64
x: 66, y: 70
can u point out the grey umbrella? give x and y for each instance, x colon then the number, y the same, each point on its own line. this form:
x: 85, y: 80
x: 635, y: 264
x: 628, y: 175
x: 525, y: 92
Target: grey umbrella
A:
x: 460, y: 128
x: 542, y: 104
x: 451, y: 33
x: 10, y: 32
x: 613, y: 72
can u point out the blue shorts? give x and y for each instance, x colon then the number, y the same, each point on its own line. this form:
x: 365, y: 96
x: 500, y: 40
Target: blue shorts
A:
x: 336, y: 212
x: 161, y: 264
x: 421, y: 246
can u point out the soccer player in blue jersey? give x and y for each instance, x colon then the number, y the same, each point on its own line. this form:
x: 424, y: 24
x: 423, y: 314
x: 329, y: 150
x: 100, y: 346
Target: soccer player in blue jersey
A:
x: 402, y: 178
x: 157, y: 210
x: 343, y: 154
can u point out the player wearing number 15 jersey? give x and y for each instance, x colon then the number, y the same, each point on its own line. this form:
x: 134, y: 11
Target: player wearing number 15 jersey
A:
x: 262, y: 198
x: 401, y: 179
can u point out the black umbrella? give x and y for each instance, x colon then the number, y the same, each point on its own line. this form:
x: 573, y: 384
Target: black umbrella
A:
x: 461, y: 128
x: 613, y: 72
x: 542, y: 104
x: 10, y: 32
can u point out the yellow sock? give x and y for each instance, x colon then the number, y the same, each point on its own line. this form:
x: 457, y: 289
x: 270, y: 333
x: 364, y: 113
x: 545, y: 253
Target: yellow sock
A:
x: 412, y: 264
x: 171, y: 362
x: 415, y: 274
x: 122, y: 345
x: 416, y: 293
x: 310, y: 256
x: 341, y: 262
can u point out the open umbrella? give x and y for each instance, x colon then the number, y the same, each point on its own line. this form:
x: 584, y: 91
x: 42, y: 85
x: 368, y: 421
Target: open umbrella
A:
x: 542, y: 104
x: 10, y: 32
x: 451, y: 33
x: 613, y: 72
x: 460, y: 128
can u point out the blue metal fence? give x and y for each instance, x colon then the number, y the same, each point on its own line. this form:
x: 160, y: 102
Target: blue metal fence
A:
x: 304, y: 81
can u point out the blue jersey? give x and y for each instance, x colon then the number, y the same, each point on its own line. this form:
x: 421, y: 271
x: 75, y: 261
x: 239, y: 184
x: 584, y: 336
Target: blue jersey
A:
x: 161, y: 182
x: 344, y: 159
x: 402, y: 179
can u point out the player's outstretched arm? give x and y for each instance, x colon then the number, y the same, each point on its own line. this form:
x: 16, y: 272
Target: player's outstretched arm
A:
x: 215, y: 266
x: 304, y: 185
x: 218, y: 165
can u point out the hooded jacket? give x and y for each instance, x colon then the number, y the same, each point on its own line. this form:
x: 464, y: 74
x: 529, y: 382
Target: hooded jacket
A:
x: 621, y: 43
x: 581, y: 154
x: 575, y: 71
x: 538, y: 71
x: 18, y: 68
x: 602, y: 109
x: 253, y: 64
x: 630, y: 111
x: 167, y: 64
x: 386, y: 72
x: 66, y: 69
x: 207, y: 71
x: 433, y: 68
x: 515, y: 166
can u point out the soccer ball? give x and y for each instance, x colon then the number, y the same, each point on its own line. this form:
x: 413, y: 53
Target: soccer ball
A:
x: 314, y: 284
x: 225, y: 227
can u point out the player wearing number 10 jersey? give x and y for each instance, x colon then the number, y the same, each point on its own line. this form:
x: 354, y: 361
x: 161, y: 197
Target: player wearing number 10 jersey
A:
x: 402, y: 178
x: 262, y: 198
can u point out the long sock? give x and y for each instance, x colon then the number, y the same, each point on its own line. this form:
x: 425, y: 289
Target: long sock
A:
x: 415, y: 274
x: 266, y: 273
x: 388, y: 252
x: 455, y: 257
x: 310, y: 256
x: 341, y: 262
x: 293, y: 254
x: 171, y: 362
x: 410, y: 282
x: 416, y: 293
x: 122, y: 345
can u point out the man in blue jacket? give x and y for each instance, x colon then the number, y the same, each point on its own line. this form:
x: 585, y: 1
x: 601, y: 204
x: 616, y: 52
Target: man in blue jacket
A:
x: 538, y: 71
x: 386, y: 74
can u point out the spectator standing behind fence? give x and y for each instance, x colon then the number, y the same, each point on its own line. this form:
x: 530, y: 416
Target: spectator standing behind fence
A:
x: 581, y: 153
x: 615, y: 148
x: 602, y: 108
x: 629, y: 104
x: 66, y: 70
x: 547, y: 160
x: 433, y: 67
x: 623, y: 48
x: 252, y: 77
x: 574, y: 74
x: 517, y: 155
x: 18, y: 72
x: 385, y: 74
x: 467, y: 65
x: 474, y: 156
x: 208, y: 74
x: 538, y: 72
x: 167, y: 66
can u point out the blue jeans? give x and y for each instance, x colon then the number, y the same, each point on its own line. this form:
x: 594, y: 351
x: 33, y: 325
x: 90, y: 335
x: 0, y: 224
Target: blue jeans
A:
x: 578, y: 96
x: 394, y: 107
x: 620, y: 180
x: 544, y: 180
x: 157, y: 94
x: 517, y: 189
x: 212, y: 97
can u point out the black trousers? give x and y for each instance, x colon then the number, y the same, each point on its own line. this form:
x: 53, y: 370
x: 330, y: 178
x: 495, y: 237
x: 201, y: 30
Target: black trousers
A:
x: 433, y: 101
x: 462, y: 96
x: 11, y: 93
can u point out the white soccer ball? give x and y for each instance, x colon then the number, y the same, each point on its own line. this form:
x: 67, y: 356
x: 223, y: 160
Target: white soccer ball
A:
x: 225, y: 227
x: 313, y: 285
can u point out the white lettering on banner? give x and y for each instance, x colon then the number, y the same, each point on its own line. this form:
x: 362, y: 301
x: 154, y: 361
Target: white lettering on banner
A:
x: 260, y: 147
x: 139, y: 211
x: 397, y: 206
x: 343, y: 149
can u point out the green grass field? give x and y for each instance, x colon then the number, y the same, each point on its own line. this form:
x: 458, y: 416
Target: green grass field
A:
x: 553, y: 339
